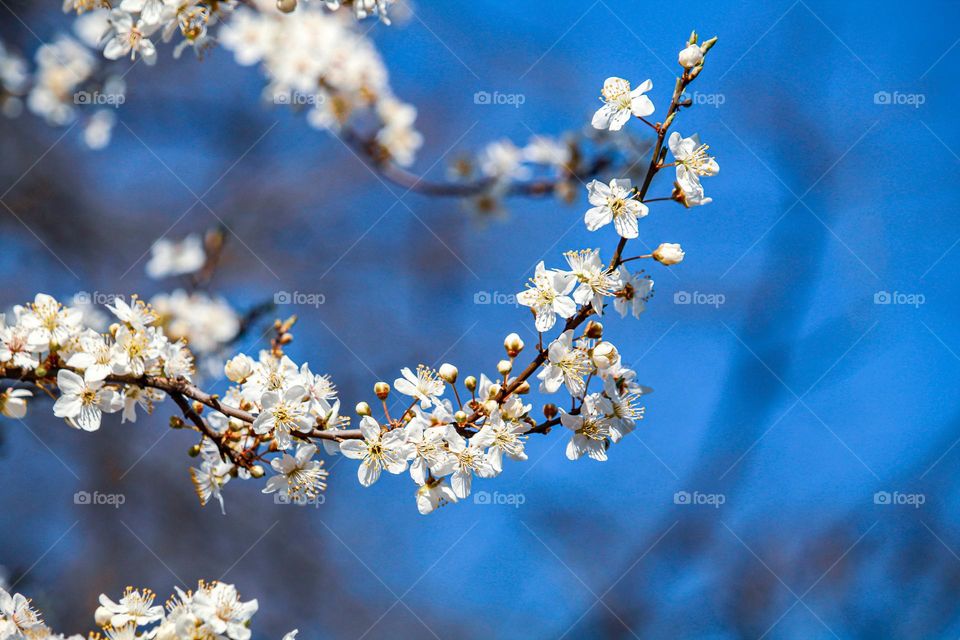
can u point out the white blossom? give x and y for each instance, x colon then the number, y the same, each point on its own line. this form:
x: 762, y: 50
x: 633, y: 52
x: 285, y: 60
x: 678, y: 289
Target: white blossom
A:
x: 620, y: 103
x: 548, y: 296
x: 614, y: 203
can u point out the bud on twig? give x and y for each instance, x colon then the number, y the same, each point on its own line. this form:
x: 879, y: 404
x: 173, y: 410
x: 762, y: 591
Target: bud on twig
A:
x: 513, y: 344
x: 363, y: 409
x: 382, y: 389
x: 449, y: 373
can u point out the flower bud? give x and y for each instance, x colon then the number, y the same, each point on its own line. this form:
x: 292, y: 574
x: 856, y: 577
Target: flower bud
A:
x: 363, y: 409
x: 490, y: 406
x: 594, y: 330
x: 382, y: 389
x: 449, y: 373
x: 504, y: 367
x: 668, y: 254
x: 176, y: 423
x: 460, y: 417
x: 194, y: 451
x: 522, y: 388
x: 605, y: 355
x: 238, y: 368
x: 102, y: 616
x: 257, y: 471
x: 690, y: 56
x: 493, y: 391
x: 286, y: 6
x: 513, y: 344
x: 550, y: 411
x: 470, y: 383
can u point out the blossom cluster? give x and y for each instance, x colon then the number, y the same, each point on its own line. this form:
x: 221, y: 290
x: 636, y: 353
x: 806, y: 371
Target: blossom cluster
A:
x: 319, y: 62
x: 215, y: 610
x: 276, y: 413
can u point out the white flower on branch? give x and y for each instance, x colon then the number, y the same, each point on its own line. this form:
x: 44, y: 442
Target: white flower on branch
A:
x: 126, y: 36
x: 692, y: 163
x: 425, y: 386
x: 502, y: 438
x: 566, y: 365
x: 17, y: 617
x: 633, y: 295
x: 48, y: 321
x: 591, y: 428
x: 283, y: 415
x: 377, y: 451
x: 468, y: 459
x: 435, y: 493
x: 614, y: 203
x: 548, y: 296
x: 595, y: 280
x: 302, y: 476
x: 83, y: 401
x: 620, y: 103
x: 134, y: 607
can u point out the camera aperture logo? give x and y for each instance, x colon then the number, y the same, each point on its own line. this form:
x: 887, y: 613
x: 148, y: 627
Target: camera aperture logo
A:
x: 497, y: 98
x: 96, y: 498
x: 697, y: 498
x: 897, y: 498
x: 899, y: 298
x: 514, y: 500
x: 300, y: 298
x: 98, y: 298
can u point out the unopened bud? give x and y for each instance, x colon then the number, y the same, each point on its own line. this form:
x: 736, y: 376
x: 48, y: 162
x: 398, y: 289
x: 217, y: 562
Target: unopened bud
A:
x: 449, y: 373
x: 41, y: 371
x: 363, y: 409
x: 550, y: 411
x: 522, y: 388
x: 238, y: 368
x: 668, y: 254
x: 605, y: 355
x: 286, y: 6
x: 194, y: 451
x: 504, y: 367
x: 706, y: 46
x: 493, y: 391
x: 382, y: 389
x: 176, y: 423
x: 470, y: 383
x: 257, y: 471
x: 197, y: 407
x: 513, y: 344
x: 460, y: 417
x: 594, y: 330
x: 286, y: 338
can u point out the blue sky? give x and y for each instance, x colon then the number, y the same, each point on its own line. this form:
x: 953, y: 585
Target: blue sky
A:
x: 796, y: 398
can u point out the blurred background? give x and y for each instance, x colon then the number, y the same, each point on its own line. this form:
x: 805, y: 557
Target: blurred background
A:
x: 795, y: 474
